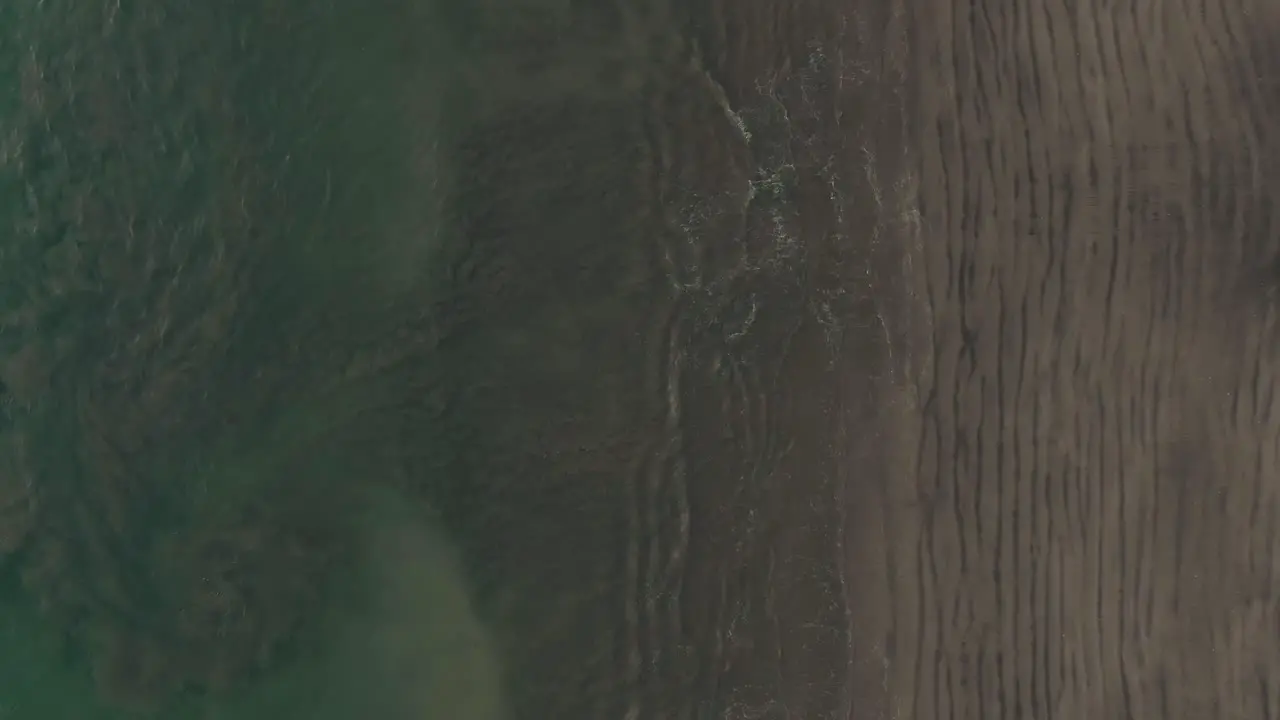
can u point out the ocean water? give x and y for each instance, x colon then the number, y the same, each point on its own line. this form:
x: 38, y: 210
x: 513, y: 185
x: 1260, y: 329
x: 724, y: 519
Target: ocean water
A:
x: 470, y: 360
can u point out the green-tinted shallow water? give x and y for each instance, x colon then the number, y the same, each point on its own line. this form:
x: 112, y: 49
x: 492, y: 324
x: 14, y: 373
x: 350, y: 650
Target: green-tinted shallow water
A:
x: 400, y: 640
x: 223, y: 186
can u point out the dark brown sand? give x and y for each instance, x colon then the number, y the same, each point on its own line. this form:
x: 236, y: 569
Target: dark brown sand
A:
x: 1083, y: 526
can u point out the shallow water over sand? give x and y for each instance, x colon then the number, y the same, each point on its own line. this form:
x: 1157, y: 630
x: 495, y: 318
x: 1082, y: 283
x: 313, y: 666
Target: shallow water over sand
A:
x: 584, y: 284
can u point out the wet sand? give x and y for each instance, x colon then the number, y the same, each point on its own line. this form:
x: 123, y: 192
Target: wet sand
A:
x: 1086, y: 533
